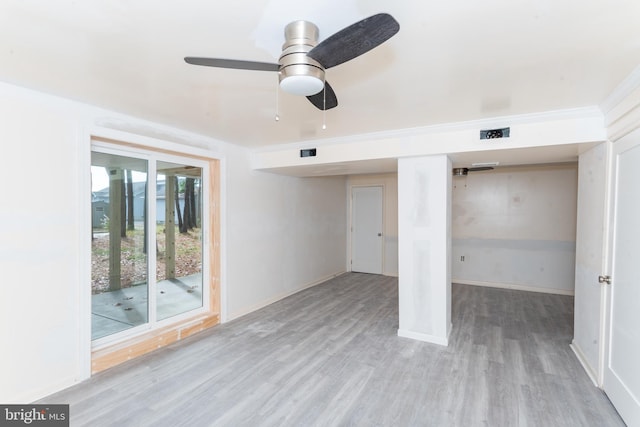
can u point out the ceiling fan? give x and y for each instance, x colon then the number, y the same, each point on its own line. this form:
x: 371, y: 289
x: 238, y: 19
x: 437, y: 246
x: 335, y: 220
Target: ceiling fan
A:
x: 302, y: 64
x: 465, y: 171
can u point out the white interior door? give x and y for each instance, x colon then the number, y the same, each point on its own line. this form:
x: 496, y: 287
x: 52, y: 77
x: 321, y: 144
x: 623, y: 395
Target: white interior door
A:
x: 622, y: 368
x: 590, y: 237
x: 366, y: 229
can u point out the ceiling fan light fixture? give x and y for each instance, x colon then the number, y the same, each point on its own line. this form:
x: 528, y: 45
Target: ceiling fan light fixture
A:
x: 302, y: 79
x: 301, y: 85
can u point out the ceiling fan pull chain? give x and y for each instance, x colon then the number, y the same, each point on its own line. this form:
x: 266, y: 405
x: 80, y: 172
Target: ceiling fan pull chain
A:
x: 278, y: 102
x: 324, y: 101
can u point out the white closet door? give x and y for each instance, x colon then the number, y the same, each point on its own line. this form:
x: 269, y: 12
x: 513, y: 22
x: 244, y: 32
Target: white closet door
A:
x: 622, y: 370
x: 366, y: 230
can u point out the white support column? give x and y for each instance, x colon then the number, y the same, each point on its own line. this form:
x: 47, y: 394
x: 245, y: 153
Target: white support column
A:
x: 424, y: 230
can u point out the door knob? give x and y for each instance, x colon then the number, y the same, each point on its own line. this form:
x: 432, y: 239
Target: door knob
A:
x: 604, y: 279
x: 379, y: 234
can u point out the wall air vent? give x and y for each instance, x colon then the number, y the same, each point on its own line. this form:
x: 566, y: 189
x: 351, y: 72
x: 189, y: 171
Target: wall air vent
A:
x: 494, y: 133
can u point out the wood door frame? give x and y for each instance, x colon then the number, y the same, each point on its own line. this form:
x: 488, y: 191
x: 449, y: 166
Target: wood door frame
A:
x: 350, y: 225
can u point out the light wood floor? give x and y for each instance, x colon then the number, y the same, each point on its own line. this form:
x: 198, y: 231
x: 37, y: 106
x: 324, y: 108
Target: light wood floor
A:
x: 330, y: 356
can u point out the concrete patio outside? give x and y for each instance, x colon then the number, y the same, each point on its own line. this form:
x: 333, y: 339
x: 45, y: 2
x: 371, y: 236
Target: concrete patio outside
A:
x: 119, y: 310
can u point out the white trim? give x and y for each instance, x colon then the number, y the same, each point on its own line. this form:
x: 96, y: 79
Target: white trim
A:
x: 222, y: 251
x: 628, y: 121
x: 403, y: 333
x: 622, y: 107
x: 628, y: 85
x: 583, y: 361
x: 85, y: 220
x: 516, y: 287
x: 349, y: 197
x: 281, y: 296
x: 153, y: 144
x: 40, y: 393
x: 151, y: 219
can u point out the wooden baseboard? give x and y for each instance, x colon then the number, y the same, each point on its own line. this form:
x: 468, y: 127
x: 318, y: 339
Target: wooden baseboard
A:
x: 115, y: 354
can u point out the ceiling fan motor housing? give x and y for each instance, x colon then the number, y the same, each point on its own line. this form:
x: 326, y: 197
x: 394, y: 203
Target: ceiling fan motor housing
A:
x: 460, y: 171
x: 299, y: 74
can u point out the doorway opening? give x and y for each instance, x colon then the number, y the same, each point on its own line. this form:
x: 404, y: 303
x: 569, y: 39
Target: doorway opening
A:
x: 515, y: 227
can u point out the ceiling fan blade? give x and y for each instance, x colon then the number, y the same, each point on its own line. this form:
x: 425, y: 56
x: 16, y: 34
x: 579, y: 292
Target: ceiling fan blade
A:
x: 323, y: 103
x: 232, y: 63
x: 355, y: 40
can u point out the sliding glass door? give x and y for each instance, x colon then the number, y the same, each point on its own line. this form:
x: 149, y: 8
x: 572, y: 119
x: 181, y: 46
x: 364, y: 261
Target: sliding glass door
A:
x: 147, y: 240
x: 179, y: 239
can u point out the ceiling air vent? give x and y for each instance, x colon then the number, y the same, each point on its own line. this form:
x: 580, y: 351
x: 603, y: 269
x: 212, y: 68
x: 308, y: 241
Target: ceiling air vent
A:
x: 494, y: 133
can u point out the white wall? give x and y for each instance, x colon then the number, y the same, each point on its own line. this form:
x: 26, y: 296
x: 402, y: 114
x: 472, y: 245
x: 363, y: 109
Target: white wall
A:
x: 39, y: 259
x: 389, y: 182
x: 284, y: 233
x: 279, y: 234
x: 515, y: 227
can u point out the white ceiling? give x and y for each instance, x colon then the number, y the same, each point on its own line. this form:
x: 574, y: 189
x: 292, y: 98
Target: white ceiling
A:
x: 452, y: 61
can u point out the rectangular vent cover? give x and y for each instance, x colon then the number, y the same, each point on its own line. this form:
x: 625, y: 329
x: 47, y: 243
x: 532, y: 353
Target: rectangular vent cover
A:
x: 495, y: 133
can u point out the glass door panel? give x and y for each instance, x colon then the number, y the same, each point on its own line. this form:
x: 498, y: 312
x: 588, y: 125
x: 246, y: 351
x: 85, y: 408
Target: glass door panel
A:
x: 179, y: 249
x: 119, y: 281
